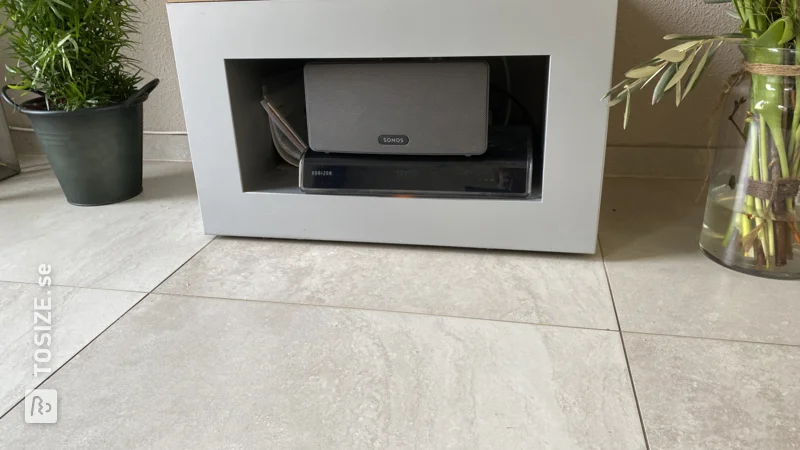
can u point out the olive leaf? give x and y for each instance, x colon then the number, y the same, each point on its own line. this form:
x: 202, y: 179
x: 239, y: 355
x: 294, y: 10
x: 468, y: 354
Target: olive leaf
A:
x: 733, y: 14
x: 655, y: 75
x: 682, y: 66
x: 642, y: 72
x: 611, y: 91
x: 616, y: 101
x: 672, y: 55
x: 683, y: 69
x: 647, y: 71
x: 661, y: 87
x: 686, y: 46
x: 627, y: 111
x: 698, y: 71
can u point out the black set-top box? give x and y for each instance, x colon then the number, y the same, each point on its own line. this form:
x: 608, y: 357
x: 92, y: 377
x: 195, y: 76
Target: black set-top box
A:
x: 504, y: 170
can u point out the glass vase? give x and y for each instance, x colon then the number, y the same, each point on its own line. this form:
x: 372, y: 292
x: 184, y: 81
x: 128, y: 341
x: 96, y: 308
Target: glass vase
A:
x: 751, y: 221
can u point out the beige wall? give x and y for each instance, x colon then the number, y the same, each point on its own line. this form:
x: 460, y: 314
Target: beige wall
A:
x: 641, y: 25
x: 164, y: 111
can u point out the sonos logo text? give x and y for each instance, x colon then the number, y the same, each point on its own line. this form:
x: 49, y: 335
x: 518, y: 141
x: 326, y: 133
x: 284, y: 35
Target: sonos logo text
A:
x: 322, y: 173
x: 393, y: 139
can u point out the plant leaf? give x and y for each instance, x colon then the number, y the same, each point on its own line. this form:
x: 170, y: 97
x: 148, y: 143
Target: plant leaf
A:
x: 698, y: 71
x: 672, y: 55
x: 61, y: 3
x: 74, y: 51
x: 631, y: 87
x: 683, y: 69
x: 615, y: 102
x: 773, y: 35
x: 648, y: 63
x: 788, y: 32
x: 611, y: 91
x: 642, y: 72
x: 627, y: 111
x: 678, y: 88
x: 661, y: 87
x: 652, y: 77
x: 733, y: 14
x: 686, y: 46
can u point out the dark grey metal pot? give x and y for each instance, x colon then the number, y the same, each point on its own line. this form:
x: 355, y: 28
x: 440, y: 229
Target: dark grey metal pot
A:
x: 96, y: 153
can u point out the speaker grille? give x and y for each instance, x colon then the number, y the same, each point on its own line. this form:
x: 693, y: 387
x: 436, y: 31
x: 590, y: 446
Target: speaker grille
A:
x: 441, y: 107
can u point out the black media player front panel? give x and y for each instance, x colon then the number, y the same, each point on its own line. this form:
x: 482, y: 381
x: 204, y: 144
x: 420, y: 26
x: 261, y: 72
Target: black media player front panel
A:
x: 504, y: 170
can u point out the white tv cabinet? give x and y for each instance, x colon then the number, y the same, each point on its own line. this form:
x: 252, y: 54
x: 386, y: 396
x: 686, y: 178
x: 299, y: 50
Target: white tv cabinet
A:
x: 223, y: 49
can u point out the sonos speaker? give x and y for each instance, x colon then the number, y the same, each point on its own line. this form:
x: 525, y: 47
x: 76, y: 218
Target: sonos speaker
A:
x: 401, y: 108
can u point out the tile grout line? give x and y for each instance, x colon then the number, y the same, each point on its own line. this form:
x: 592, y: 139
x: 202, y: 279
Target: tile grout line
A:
x: 387, y: 311
x: 125, y: 290
x: 183, y: 264
x: 733, y: 341
x: 624, y: 349
x: 15, y: 405
x: 519, y: 322
x: 70, y: 286
x: 146, y: 294
x: 574, y: 327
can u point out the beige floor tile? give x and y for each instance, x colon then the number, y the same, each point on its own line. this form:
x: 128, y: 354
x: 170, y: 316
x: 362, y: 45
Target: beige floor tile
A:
x: 649, y: 233
x: 76, y: 317
x: 30, y: 162
x: 133, y: 245
x: 699, y: 394
x: 520, y: 287
x: 204, y: 373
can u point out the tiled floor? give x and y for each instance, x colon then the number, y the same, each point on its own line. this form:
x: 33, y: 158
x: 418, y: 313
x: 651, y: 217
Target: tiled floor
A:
x: 163, y: 338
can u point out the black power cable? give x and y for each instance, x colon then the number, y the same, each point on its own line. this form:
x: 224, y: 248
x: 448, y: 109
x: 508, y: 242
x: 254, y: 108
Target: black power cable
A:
x: 535, y: 125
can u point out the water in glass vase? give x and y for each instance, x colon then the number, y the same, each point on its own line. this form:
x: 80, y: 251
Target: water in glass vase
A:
x: 722, y: 237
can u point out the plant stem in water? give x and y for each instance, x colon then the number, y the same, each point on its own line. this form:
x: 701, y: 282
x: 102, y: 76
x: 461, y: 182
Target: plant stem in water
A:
x: 746, y: 229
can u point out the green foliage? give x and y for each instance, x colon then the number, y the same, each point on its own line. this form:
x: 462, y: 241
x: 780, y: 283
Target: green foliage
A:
x: 762, y: 24
x: 72, y: 50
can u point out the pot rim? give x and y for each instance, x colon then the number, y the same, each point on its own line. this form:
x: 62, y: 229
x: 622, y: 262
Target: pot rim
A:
x: 53, y: 112
x: 139, y: 97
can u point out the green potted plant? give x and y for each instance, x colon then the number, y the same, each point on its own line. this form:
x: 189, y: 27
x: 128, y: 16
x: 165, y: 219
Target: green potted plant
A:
x: 87, y: 114
x: 752, y: 221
